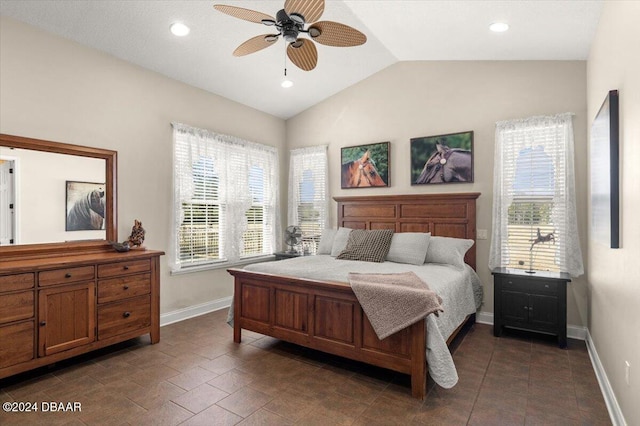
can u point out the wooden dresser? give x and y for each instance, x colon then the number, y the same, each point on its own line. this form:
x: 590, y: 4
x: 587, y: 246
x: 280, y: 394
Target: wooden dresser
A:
x: 56, y: 307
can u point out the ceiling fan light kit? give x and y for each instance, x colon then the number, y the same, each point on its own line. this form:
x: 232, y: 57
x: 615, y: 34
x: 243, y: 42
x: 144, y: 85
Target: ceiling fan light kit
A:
x: 286, y: 83
x: 290, y: 23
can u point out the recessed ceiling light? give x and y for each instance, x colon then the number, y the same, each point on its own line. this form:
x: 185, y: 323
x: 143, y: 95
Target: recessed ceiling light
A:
x: 179, y: 29
x: 499, y: 27
x: 286, y: 83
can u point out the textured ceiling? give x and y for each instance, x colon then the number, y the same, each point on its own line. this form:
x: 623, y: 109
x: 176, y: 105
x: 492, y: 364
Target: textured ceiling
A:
x: 137, y: 31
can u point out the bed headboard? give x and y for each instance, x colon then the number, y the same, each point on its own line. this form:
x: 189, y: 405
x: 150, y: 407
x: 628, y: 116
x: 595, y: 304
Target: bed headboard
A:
x: 446, y: 215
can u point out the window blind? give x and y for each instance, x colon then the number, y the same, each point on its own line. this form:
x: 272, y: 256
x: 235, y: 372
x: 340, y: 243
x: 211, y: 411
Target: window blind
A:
x: 225, y: 198
x: 534, y: 218
x: 308, y: 190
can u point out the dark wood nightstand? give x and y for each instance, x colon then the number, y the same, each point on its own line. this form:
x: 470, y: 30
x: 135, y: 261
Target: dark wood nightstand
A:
x: 534, y: 302
x: 286, y: 255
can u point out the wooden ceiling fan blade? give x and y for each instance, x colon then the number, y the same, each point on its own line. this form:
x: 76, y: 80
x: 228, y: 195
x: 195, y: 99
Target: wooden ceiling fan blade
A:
x: 311, y: 9
x: 254, y: 44
x: 242, y: 13
x: 336, y: 34
x: 304, y: 57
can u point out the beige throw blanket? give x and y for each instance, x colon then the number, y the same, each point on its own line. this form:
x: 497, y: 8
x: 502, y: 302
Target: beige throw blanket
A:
x: 394, y: 301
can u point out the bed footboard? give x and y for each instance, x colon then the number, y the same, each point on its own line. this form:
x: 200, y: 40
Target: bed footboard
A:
x: 325, y: 316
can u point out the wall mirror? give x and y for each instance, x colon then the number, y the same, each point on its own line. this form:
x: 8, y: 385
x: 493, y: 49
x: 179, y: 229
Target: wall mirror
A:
x: 55, y: 196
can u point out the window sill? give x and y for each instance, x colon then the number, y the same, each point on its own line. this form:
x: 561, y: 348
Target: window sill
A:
x: 221, y: 265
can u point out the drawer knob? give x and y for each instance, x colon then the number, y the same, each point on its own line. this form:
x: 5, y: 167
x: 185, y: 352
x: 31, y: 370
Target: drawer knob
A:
x: 546, y: 286
x: 126, y: 287
x: 510, y: 282
x: 43, y: 323
x: 125, y: 267
x: 126, y: 314
x: 67, y: 275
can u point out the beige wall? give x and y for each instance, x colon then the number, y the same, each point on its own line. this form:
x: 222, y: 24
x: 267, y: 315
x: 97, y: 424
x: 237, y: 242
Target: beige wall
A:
x: 614, y: 275
x: 411, y: 99
x: 54, y: 89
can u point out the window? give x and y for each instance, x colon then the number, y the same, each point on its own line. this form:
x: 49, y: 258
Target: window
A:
x: 534, y: 214
x: 308, y: 203
x: 225, y: 198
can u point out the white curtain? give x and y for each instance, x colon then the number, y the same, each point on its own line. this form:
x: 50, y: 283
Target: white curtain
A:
x: 308, y: 182
x: 552, y: 136
x: 309, y: 194
x: 233, y: 160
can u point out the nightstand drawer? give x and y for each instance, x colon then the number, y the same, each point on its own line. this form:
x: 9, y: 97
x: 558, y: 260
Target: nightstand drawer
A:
x: 529, y: 285
x: 286, y: 255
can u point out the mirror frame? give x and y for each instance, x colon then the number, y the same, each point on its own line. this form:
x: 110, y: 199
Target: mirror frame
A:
x: 111, y: 217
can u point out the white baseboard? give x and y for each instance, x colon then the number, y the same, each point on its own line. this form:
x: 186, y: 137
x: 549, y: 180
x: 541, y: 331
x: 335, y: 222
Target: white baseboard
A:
x: 617, y: 418
x: 577, y: 332
x: 573, y: 331
x: 194, y: 311
x: 484, y: 317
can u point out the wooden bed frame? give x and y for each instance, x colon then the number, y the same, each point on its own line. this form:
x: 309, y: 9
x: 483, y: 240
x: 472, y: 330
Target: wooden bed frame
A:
x: 326, y: 315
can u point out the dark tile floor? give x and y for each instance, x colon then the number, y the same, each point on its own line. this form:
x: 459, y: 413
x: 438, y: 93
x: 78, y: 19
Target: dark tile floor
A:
x: 196, y: 375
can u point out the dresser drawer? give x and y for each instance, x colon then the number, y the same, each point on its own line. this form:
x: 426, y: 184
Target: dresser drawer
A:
x: 121, y: 268
x: 17, y: 282
x: 122, y: 317
x: 17, y: 343
x: 66, y: 275
x: 16, y: 306
x: 123, y: 287
x: 530, y: 286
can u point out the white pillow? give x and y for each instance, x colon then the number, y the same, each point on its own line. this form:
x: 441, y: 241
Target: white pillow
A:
x: 340, y: 241
x: 326, y: 241
x: 409, y: 247
x: 448, y: 250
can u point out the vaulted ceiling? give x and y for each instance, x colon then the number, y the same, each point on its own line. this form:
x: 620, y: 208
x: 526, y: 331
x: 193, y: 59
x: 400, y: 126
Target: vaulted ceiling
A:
x: 137, y: 31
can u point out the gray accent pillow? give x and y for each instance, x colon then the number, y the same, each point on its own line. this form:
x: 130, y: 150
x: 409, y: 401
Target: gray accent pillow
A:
x: 367, y: 246
x: 326, y: 241
x: 340, y: 241
x: 409, y: 247
x: 448, y: 250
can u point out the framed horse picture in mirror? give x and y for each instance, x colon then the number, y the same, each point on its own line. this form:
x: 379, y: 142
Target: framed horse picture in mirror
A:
x: 365, y: 166
x: 442, y: 158
x: 85, y: 202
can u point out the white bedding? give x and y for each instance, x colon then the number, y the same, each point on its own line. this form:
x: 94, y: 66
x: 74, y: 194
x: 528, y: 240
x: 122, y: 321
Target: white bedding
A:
x: 460, y: 290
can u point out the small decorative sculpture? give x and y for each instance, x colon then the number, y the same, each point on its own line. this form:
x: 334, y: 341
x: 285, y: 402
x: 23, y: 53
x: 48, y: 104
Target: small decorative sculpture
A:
x: 543, y: 239
x: 137, y: 234
x: 135, y: 239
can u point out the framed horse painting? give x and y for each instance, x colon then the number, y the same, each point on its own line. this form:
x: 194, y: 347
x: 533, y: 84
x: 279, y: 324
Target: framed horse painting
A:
x: 442, y: 158
x: 85, y: 206
x: 365, y: 165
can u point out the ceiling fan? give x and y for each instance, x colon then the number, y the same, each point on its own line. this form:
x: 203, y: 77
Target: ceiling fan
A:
x: 290, y: 23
